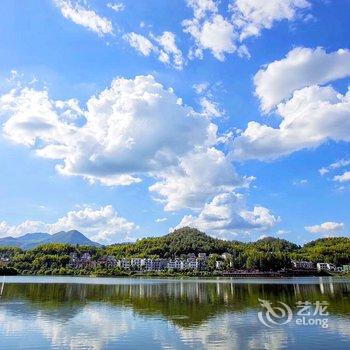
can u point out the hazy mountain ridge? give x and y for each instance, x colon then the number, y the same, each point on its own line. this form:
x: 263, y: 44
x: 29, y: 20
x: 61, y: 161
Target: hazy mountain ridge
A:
x: 32, y: 240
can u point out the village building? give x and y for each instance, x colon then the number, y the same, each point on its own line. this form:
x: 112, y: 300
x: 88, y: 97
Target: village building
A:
x: 108, y: 261
x: 302, y: 264
x: 124, y: 264
x: 175, y: 264
x: 138, y: 263
x: 202, y: 256
x: 325, y: 267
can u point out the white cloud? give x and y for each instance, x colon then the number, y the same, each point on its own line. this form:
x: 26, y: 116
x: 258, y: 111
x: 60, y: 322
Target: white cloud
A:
x: 164, y: 46
x: 311, y: 117
x: 200, y: 87
x: 32, y: 117
x: 169, y: 48
x: 161, y: 220
x: 197, y: 179
x: 201, y: 7
x: 215, y: 34
x: 336, y: 165
x: 27, y: 226
x: 323, y: 171
x: 300, y: 68
x: 210, y: 108
x: 329, y: 226
x: 103, y: 225
x: 252, y: 16
x: 135, y: 126
x: 226, y: 215
x: 302, y: 182
x: 131, y: 130
x: 223, y: 33
x: 140, y: 43
x: 117, y: 7
x: 340, y: 164
x: 343, y: 177
x: 87, y: 18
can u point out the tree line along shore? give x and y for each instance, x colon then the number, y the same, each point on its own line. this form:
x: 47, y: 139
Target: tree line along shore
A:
x: 186, y: 251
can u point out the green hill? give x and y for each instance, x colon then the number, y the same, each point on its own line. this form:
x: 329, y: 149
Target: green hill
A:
x: 332, y: 249
x: 182, y: 241
x: 271, y: 244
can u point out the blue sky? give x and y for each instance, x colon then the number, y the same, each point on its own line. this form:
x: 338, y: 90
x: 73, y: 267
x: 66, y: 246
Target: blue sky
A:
x: 125, y: 119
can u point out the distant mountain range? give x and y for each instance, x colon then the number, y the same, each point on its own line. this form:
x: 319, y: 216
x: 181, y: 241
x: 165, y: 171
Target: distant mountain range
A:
x: 32, y: 240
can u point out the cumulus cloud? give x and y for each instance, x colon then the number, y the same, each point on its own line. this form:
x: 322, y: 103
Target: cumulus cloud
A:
x: 202, y: 7
x: 103, y: 225
x: 326, y: 227
x: 133, y: 129
x: 215, y: 34
x: 33, y: 117
x: 87, y: 18
x: 198, y: 177
x: 226, y: 215
x: 28, y: 226
x: 163, y: 46
x: 310, y: 114
x: 300, y: 68
x: 130, y: 129
x: 210, y: 30
x: 311, y: 117
x: 250, y: 17
x: 223, y: 34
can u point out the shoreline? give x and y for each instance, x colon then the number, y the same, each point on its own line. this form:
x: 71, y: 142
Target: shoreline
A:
x: 229, y: 275
x: 135, y: 280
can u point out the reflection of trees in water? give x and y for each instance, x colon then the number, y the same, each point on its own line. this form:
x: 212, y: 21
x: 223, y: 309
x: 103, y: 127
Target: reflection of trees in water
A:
x: 196, y: 301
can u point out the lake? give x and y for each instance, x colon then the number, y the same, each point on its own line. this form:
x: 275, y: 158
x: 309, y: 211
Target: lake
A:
x: 140, y: 313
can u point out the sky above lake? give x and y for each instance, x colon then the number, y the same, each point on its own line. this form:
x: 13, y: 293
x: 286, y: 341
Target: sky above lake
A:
x: 126, y: 119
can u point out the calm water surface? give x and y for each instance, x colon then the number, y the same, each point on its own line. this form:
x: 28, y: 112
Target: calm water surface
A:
x: 121, y: 313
